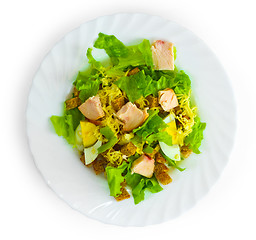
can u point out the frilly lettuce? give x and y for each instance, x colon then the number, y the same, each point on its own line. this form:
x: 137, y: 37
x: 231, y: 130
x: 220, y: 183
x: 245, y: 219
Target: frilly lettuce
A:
x: 112, y: 139
x: 194, y: 139
x: 66, y: 125
x: 115, y: 178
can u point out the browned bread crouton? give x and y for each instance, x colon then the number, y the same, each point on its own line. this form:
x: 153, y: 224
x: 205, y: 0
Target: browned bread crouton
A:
x: 152, y: 101
x: 185, y: 151
x: 161, y: 173
x: 82, y: 159
x: 73, y: 103
x: 133, y: 71
x: 128, y: 149
x: 76, y: 92
x: 177, y: 110
x: 160, y: 168
x: 163, y: 178
x: 118, y: 103
x: 99, y: 165
x: 124, y: 195
x: 159, y: 158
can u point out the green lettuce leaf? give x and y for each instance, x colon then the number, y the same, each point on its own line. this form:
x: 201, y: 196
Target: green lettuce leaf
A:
x: 145, y: 49
x: 152, y: 185
x: 64, y: 127
x: 134, y: 86
x: 183, y: 83
x: 152, y: 114
x: 115, y: 178
x: 140, y: 184
x: 148, y: 149
x: 153, y: 125
x: 112, y: 139
x: 140, y: 54
x: 113, y: 47
x: 95, y: 64
x: 194, y: 139
x: 87, y: 88
x: 141, y: 84
x: 77, y: 116
x: 138, y: 192
x: 123, y: 56
x: 161, y: 137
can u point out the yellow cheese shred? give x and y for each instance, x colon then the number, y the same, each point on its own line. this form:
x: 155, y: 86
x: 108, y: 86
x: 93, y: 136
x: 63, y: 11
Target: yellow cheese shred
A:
x: 186, y: 118
x: 107, y: 94
x: 113, y: 157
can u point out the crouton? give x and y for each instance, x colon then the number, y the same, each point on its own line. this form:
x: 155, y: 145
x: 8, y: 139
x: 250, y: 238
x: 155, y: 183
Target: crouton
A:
x: 161, y: 174
x: 128, y: 149
x: 159, y: 158
x: 82, y: 158
x: 152, y: 101
x: 160, y: 168
x: 76, y: 92
x: 185, y: 151
x: 177, y: 110
x: 133, y: 71
x: 124, y: 195
x: 73, y: 103
x: 163, y: 178
x: 99, y: 164
x: 118, y: 103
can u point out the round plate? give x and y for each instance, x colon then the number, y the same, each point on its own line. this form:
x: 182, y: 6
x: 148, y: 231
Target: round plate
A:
x: 76, y: 184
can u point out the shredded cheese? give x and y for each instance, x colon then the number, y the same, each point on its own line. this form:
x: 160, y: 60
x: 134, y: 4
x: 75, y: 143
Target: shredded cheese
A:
x: 142, y: 102
x: 113, y: 157
x: 107, y: 94
x: 186, y: 118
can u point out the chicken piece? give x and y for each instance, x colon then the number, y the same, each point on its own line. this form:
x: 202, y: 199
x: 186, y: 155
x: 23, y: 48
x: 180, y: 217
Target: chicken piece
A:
x: 143, y: 166
x: 131, y: 116
x: 118, y: 103
x: 92, y: 109
x: 167, y: 99
x: 73, y: 103
x: 163, y: 55
x: 128, y: 149
x: 152, y: 101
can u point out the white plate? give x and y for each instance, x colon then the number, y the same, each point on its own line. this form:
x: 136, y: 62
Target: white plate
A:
x: 79, y: 186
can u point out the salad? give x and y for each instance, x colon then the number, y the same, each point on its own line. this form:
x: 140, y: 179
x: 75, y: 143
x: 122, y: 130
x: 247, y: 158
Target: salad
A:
x: 131, y: 117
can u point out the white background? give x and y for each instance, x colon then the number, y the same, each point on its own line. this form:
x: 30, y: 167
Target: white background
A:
x: 30, y: 210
